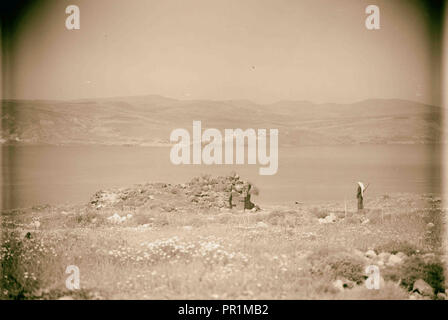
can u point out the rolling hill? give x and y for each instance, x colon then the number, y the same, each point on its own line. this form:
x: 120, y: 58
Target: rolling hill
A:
x: 149, y: 120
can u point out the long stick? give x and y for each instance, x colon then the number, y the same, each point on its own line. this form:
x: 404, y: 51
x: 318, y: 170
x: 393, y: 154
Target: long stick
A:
x: 367, y: 187
x: 345, y: 206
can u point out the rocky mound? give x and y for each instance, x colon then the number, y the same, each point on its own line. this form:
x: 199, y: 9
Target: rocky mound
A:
x: 201, y: 192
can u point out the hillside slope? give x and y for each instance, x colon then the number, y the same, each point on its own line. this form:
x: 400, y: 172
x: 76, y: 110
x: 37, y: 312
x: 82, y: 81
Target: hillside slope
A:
x: 149, y: 120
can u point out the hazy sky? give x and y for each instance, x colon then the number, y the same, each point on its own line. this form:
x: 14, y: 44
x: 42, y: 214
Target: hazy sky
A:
x: 262, y: 50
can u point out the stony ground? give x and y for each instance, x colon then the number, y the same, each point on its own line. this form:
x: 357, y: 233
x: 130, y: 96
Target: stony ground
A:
x: 159, y: 241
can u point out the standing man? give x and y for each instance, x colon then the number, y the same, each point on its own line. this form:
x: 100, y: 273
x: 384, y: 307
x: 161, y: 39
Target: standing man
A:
x: 360, y: 196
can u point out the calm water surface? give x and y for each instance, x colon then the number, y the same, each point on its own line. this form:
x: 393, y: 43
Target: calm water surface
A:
x: 34, y: 175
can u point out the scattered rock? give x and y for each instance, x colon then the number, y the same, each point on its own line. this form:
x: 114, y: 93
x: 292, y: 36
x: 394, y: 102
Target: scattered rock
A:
x: 415, y: 296
x: 338, y: 284
x: 328, y: 219
x: 103, y: 198
x: 394, y: 260
x: 366, y: 221
x: 401, y: 255
x: 96, y: 296
x: 342, y: 284
x: 441, y: 296
x: 35, y: 224
x: 423, y: 288
x: 384, y: 256
x: 248, y: 293
x: 262, y: 225
x: 370, y: 254
x: 116, y: 219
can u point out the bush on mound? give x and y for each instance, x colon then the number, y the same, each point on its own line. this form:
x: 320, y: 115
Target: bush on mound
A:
x: 431, y: 271
x: 337, y: 264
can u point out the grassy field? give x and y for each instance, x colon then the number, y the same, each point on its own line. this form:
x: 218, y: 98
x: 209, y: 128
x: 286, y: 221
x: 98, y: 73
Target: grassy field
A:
x: 278, y: 252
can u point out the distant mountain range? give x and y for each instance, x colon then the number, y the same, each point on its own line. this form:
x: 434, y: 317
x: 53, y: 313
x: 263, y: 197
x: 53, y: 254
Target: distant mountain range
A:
x: 149, y: 120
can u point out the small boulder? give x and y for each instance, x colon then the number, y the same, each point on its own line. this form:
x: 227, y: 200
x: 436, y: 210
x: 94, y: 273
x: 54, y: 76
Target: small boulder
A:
x: 36, y: 224
x: 401, y: 255
x: 366, y: 221
x: 338, y: 284
x: 262, y: 225
x: 423, y: 288
x: 328, y: 219
x: 116, y: 219
x: 415, y: 296
x: 441, y: 296
x: 384, y: 256
x: 370, y: 254
x: 394, y: 260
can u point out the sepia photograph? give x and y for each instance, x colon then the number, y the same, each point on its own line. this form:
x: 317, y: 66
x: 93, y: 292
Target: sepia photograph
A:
x: 223, y: 150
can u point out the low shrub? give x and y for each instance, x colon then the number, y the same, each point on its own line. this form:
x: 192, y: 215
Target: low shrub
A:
x: 20, y: 269
x: 394, y: 247
x: 86, y: 218
x: 415, y: 268
x: 337, y: 265
x: 319, y: 213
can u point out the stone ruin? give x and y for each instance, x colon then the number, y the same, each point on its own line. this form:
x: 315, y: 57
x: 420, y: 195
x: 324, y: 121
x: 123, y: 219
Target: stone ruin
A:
x: 200, y: 192
x: 223, y: 191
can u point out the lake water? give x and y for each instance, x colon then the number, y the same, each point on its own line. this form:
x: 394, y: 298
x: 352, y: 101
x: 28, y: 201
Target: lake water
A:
x: 34, y: 175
